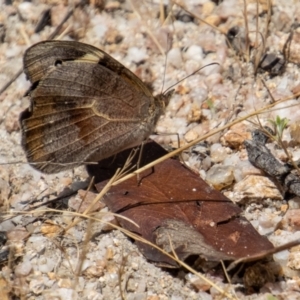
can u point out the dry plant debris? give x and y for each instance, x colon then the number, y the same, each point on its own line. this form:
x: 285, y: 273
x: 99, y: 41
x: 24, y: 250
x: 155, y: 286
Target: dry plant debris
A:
x: 172, y: 207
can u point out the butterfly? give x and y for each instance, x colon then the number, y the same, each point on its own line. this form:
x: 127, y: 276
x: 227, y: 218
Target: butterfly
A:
x: 84, y: 106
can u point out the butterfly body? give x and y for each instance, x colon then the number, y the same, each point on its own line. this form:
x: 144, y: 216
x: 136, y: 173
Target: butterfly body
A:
x: 85, y: 106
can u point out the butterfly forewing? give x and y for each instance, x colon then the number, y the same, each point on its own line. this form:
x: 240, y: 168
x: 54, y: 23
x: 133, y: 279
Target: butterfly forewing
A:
x: 43, y: 56
x: 84, y: 105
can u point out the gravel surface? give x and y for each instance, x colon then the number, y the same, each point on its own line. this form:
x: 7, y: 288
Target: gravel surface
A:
x: 45, y: 257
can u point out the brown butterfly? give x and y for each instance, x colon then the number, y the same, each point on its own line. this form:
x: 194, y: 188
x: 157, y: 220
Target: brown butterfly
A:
x: 85, y: 106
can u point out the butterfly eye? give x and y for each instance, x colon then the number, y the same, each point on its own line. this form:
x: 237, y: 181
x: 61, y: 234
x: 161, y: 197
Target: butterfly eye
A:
x: 58, y: 63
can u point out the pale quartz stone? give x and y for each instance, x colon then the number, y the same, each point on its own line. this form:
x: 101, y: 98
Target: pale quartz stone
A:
x: 175, y: 57
x: 217, y: 153
x: 23, y: 269
x: 195, y: 53
x: 220, y: 176
x: 136, y: 55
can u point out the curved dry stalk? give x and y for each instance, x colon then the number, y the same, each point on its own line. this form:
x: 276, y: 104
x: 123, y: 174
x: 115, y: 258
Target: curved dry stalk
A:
x: 121, y: 272
x: 204, y: 137
x: 83, y: 252
x: 87, y: 190
x: 247, y: 46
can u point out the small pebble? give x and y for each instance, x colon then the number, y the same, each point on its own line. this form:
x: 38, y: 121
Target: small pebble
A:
x: 175, y: 57
x: 220, y: 176
x: 195, y: 53
x: 23, y: 269
x: 136, y: 55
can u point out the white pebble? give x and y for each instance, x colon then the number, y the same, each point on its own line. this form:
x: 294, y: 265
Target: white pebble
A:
x: 99, y: 27
x: 175, y: 58
x: 67, y: 294
x: 220, y: 176
x: 206, y: 163
x: 27, y: 10
x: 296, y: 154
x: 232, y: 159
x: 23, y: 269
x: 283, y: 84
x: 172, y: 125
x: 136, y: 55
x: 267, y: 223
x: 14, y: 50
x: 46, y: 265
x: 38, y: 243
x: 213, y: 79
x: 199, y: 95
x: 7, y: 225
x: 194, y: 133
x: 242, y: 170
x: 227, y: 9
x: 206, y: 113
x: 281, y: 257
x: 217, y: 153
x: 191, y: 66
x: 195, y: 53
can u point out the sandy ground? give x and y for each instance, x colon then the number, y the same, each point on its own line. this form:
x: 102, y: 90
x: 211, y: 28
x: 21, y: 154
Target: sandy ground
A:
x: 43, y: 265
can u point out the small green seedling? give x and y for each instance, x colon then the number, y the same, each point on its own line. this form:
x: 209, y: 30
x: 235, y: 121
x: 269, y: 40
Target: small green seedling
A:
x: 279, y: 125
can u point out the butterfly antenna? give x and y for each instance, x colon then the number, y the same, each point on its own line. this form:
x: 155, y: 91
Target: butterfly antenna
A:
x: 170, y: 87
x: 164, y: 77
x: 166, y: 60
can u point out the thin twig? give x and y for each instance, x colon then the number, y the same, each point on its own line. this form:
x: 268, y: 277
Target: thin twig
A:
x: 198, y: 18
x: 204, y: 137
x: 263, y: 254
x: 247, y: 46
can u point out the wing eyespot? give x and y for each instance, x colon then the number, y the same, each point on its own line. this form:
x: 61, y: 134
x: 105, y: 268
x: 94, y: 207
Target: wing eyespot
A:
x: 58, y: 63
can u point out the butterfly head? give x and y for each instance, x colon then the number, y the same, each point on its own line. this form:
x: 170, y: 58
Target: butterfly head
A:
x: 164, y: 99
